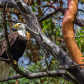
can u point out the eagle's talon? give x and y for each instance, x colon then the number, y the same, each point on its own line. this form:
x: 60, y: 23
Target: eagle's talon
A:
x: 15, y: 62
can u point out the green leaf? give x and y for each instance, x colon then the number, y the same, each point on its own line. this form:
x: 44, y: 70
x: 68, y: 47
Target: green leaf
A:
x: 53, y: 61
x: 83, y: 56
x: 83, y: 60
x: 45, y: 82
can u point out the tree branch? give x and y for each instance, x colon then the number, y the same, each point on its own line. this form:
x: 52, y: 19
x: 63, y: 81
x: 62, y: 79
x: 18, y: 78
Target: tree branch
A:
x: 58, y: 73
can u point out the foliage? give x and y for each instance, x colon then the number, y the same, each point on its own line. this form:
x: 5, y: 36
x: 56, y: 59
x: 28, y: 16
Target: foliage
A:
x: 80, y: 38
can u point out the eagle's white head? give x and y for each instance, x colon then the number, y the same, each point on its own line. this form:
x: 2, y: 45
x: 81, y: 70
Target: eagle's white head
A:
x: 21, y: 29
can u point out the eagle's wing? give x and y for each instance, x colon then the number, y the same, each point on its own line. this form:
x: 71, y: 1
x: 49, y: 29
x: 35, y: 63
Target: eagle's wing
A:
x: 12, y: 38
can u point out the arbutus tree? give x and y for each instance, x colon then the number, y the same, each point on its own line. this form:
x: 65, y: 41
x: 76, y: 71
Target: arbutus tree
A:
x: 76, y: 70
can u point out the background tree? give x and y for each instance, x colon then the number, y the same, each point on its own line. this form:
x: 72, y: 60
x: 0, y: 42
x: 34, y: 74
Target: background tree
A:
x: 38, y: 56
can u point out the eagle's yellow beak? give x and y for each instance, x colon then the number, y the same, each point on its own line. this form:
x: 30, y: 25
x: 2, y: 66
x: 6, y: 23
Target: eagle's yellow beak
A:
x: 16, y: 25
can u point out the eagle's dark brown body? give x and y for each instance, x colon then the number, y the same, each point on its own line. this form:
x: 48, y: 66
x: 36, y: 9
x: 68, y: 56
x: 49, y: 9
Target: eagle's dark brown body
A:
x: 17, y: 46
x: 18, y: 42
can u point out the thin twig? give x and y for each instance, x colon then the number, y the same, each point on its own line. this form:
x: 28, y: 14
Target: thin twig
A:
x: 13, y: 21
x: 2, y: 59
x: 12, y: 17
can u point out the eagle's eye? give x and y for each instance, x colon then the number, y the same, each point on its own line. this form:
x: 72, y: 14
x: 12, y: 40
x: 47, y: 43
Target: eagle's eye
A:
x: 19, y: 24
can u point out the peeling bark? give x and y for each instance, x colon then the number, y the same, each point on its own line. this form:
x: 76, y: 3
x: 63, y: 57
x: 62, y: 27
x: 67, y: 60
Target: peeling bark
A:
x: 68, y: 31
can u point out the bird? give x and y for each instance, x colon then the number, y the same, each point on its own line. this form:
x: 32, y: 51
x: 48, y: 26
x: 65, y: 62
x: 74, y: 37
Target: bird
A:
x: 18, y: 41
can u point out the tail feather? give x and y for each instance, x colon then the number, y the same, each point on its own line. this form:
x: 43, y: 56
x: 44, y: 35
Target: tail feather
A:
x: 4, y: 70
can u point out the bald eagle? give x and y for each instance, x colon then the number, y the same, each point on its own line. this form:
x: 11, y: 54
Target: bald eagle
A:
x: 18, y: 42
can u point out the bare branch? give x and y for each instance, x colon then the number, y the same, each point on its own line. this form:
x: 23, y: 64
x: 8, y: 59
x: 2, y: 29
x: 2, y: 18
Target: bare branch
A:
x: 58, y: 73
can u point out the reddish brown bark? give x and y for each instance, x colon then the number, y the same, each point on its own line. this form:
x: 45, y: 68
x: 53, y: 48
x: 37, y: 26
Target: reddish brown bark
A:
x: 34, y: 50
x: 68, y: 31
